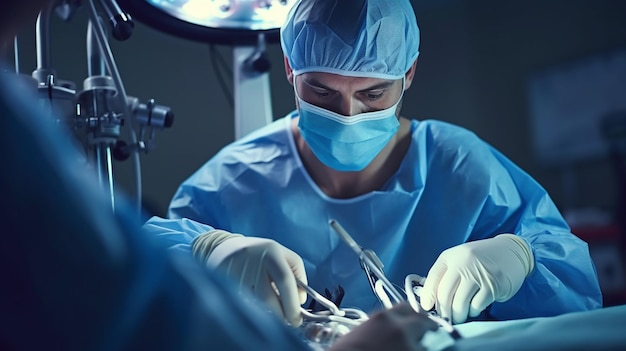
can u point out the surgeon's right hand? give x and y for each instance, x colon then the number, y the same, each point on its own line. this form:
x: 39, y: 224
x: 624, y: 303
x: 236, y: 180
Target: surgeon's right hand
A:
x: 262, y: 265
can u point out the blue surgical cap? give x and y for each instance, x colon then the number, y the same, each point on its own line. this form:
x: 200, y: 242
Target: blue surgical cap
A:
x: 360, y: 38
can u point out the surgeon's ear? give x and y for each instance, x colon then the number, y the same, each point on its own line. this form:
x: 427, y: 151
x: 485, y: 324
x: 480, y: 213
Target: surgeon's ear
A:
x: 409, y: 75
x: 288, y: 70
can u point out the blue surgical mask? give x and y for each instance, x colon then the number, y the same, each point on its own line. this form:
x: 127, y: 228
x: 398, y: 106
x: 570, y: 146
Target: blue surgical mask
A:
x: 346, y: 143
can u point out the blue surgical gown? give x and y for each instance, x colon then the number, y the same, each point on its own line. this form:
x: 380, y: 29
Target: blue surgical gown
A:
x: 451, y: 187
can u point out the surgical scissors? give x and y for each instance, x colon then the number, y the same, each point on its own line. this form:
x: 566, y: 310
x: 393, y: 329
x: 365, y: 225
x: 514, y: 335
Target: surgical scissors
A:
x: 372, y: 264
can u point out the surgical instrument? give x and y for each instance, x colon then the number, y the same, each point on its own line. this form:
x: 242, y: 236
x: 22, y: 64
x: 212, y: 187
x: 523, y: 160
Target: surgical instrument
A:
x: 320, y: 329
x: 372, y: 263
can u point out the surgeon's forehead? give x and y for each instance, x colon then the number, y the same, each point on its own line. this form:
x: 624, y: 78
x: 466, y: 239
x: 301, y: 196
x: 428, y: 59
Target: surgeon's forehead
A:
x: 335, y: 81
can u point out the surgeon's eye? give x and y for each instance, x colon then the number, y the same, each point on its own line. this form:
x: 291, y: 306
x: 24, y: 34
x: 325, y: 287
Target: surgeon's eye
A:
x: 321, y: 93
x: 374, y: 95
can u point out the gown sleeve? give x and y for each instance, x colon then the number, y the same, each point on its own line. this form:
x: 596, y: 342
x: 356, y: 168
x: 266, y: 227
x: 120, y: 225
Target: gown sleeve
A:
x: 505, y: 199
x: 564, y: 277
x: 196, y: 207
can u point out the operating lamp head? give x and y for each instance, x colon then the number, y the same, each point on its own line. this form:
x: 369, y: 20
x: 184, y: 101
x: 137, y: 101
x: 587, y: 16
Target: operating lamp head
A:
x: 230, y: 22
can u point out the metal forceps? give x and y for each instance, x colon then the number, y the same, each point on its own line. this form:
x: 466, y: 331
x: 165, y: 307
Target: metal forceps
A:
x: 372, y: 264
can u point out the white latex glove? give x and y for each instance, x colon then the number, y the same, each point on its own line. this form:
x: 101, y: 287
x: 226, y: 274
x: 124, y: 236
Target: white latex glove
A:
x: 262, y: 265
x: 467, y: 278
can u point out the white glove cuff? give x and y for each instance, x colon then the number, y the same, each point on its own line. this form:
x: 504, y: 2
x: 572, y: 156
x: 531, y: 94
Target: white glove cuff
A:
x: 204, y: 244
x: 522, y: 250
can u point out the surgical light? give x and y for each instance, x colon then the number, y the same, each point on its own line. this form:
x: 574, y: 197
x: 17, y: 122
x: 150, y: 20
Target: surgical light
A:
x: 252, y: 15
x: 232, y: 22
x: 246, y: 25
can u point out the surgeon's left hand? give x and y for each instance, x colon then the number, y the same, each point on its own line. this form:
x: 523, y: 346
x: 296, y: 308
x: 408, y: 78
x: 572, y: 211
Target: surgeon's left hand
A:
x: 467, y: 278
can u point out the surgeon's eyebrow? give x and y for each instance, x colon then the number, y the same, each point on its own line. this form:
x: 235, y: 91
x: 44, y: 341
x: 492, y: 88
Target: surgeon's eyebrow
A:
x: 312, y: 82
x: 317, y: 84
x: 382, y: 85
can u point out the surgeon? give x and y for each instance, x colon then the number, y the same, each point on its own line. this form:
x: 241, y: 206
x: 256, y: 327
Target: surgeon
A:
x: 430, y: 198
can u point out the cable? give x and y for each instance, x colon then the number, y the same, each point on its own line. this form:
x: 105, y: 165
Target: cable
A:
x: 216, y: 61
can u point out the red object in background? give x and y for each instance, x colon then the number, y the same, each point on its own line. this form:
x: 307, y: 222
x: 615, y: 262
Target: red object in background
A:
x: 599, y: 233
x: 606, y: 247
